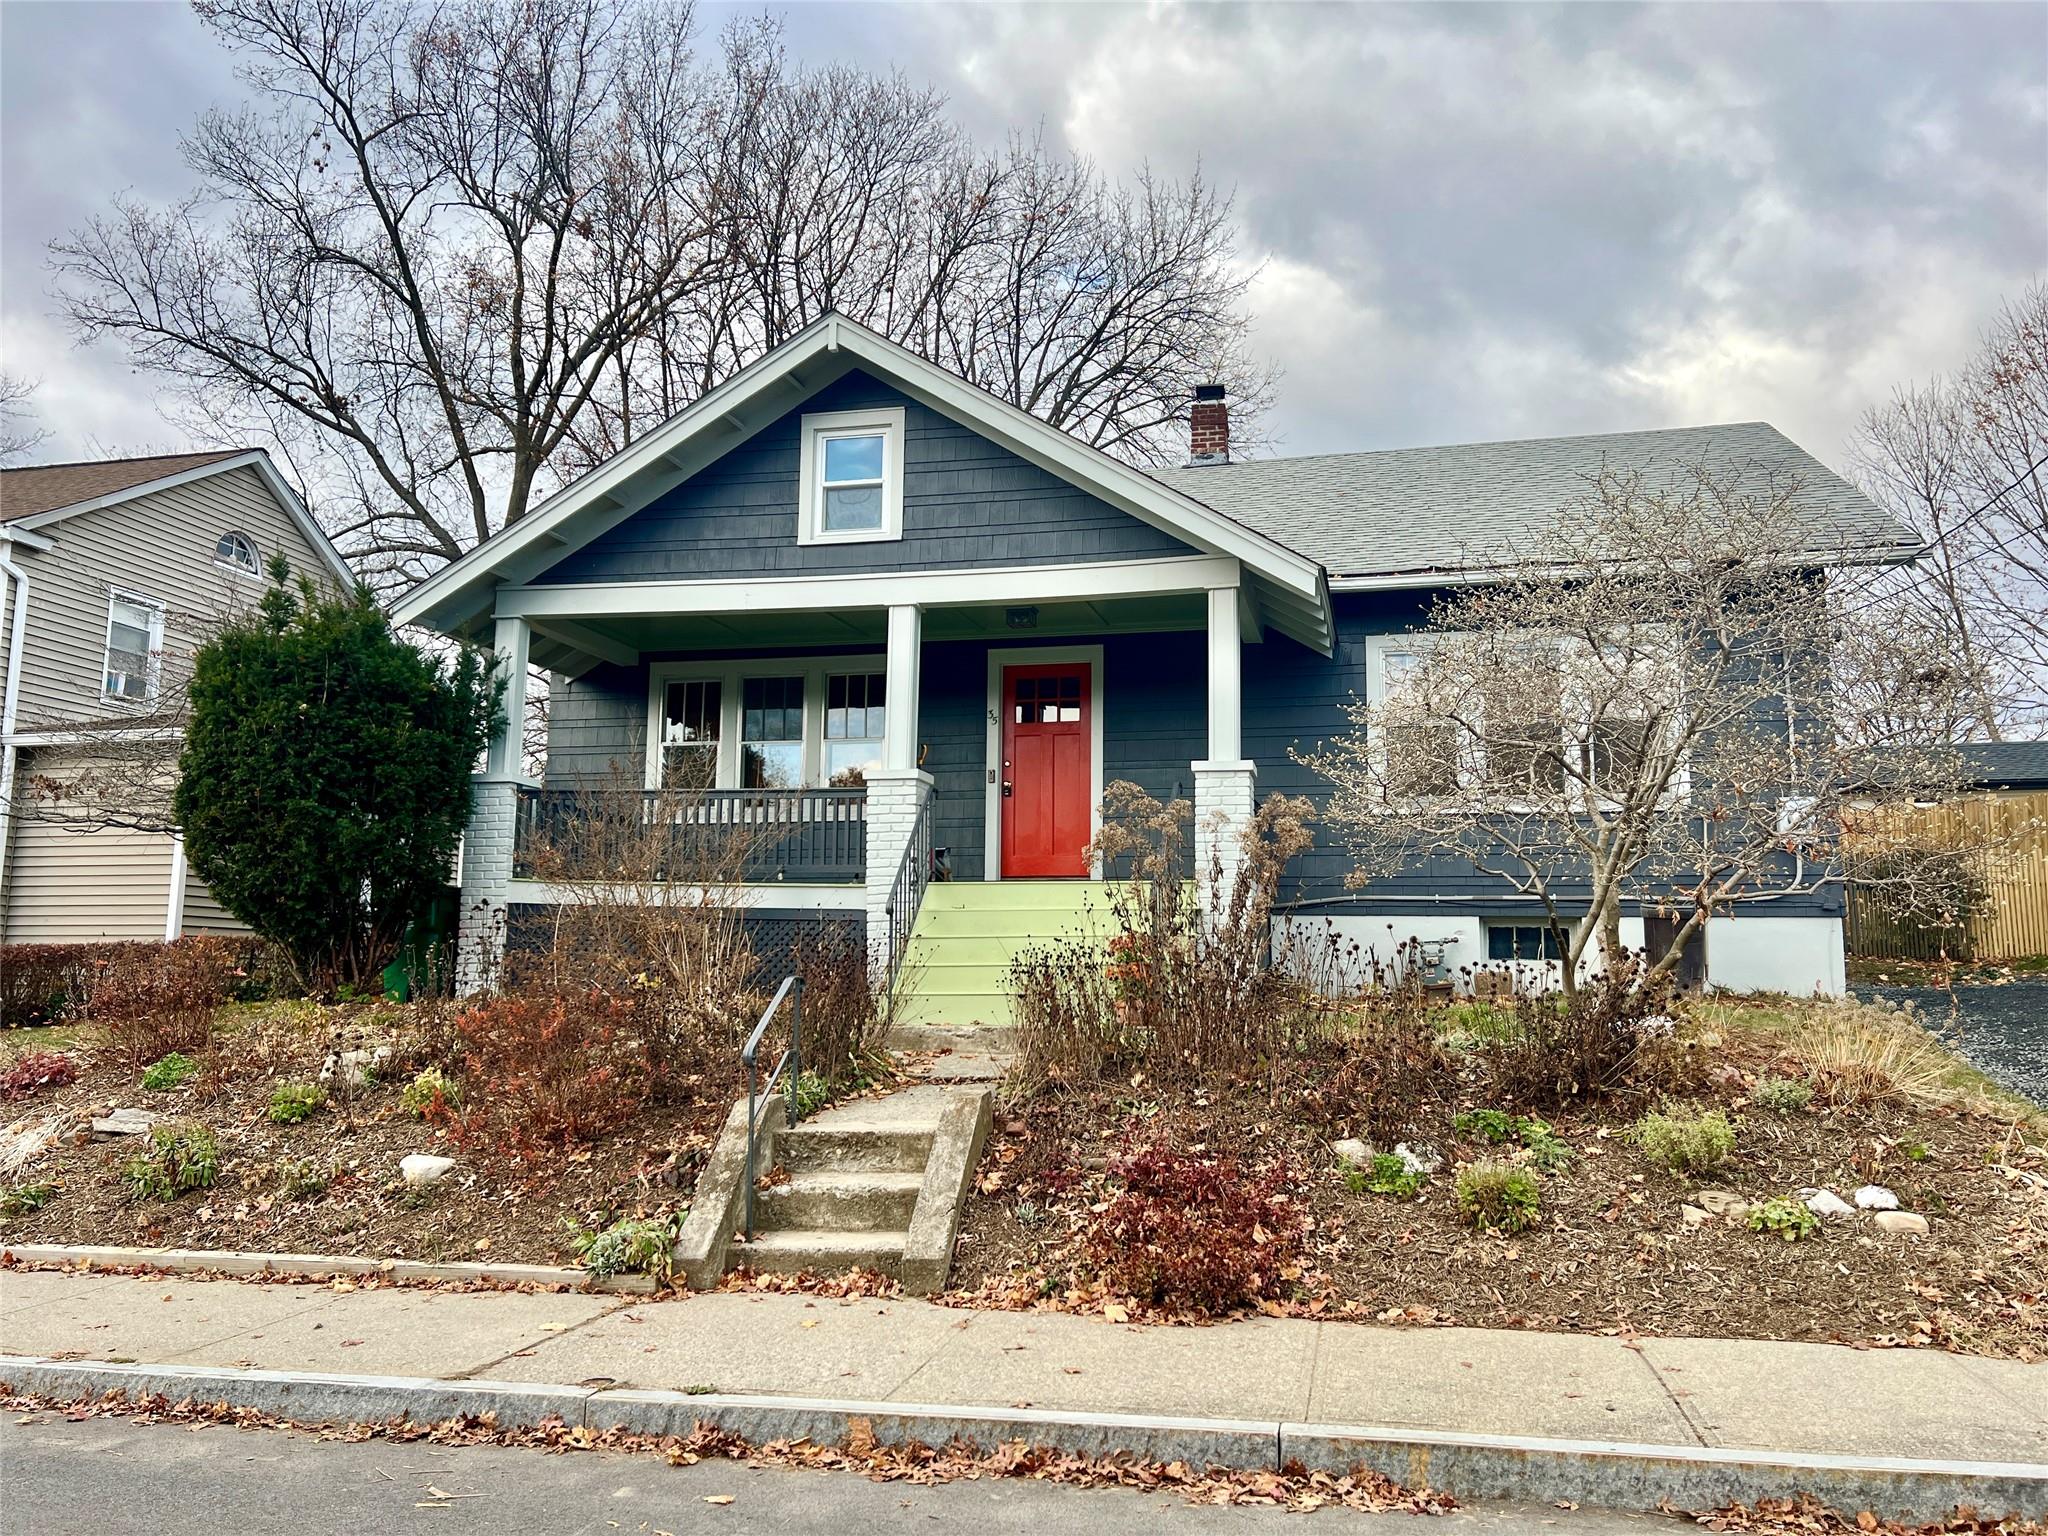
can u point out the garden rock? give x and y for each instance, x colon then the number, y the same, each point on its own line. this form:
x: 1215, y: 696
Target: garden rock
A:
x: 354, y: 1068
x: 125, y: 1122
x: 1902, y: 1221
x: 1875, y: 1197
x: 1694, y: 1216
x: 1418, y: 1157
x: 423, y: 1168
x: 1353, y: 1151
x: 1826, y: 1204
x: 1720, y: 1202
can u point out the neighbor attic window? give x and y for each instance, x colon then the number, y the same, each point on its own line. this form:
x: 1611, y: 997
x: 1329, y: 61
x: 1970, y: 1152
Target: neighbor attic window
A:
x: 851, y: 477
x: 236, y: 550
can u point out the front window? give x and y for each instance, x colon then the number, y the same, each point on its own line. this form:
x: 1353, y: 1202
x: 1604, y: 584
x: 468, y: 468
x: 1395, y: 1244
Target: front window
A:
x: 855, y: 713
x: 135, y: 641
x: 690, y: 733
x: 851, y: 477
x: 772, y: 733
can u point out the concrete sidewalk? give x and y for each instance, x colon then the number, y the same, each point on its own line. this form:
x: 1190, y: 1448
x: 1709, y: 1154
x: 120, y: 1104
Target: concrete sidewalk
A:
x: 1719, y: 1394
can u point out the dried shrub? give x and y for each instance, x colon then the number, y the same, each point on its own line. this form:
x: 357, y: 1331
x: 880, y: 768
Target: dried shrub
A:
x: 33, y: 1071
x: 43, y: 983
x: 1192, y: 1234
x: 1612, y: 1037
x: 1382, y: 1074
x: 1681, y: 1143
x: 158, y: 998
x: 845, y: 1018
x: 1188, y: 988
x: 1863, y: 1053
x: 1499, y: 1197
x: 543, y: 1073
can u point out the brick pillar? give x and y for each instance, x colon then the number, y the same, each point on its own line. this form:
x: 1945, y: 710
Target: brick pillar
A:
x: 1223, y: 808
x: 486, y: 880
x: 896, y: 797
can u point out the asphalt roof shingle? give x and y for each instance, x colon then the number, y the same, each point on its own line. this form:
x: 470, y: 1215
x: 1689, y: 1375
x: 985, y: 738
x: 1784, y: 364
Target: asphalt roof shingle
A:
x: 1409, y: 510
x: 2007, y: 764
x: 35, y: 488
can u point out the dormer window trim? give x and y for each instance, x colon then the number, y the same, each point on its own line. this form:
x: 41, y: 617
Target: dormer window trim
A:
x: 819, y: 477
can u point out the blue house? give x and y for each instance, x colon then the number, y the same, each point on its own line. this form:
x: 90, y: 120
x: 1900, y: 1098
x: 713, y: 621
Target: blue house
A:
x: 851, y: 597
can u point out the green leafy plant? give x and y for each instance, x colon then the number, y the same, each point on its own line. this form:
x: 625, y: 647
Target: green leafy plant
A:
x: 1916, y: 1151
x: 324, y: 779
x: 1684, y: 1143
x: 20, y: 1199
x: 304, y: 1178
x: 180, y: 1156
x: 1386, y: 1175
x: 1782, y: 1095
x: 292, y: 1102
x: 1786, y: 1217
x: 168, y: 1072
x: 433, y: 1089
x: 1546, y: 1149
x: 809, y: 1093
x: 636, y: 1245
x: 1494, y: 1125
x: 1499, y: 1197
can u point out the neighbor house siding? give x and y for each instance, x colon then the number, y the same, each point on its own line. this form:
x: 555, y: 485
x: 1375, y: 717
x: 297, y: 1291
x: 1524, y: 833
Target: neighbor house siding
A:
x: 966, y: 503
x: 159, y: 547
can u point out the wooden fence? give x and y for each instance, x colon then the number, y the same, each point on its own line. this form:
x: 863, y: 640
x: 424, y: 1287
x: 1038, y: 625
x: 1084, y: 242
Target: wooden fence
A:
x: 2013, y: 829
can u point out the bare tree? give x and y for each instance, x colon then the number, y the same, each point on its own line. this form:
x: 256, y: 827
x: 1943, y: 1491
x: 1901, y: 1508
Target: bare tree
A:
x: 453, y: 254
x: 1965, y: 459
x: 1641, y: 710
x: 19, y: 435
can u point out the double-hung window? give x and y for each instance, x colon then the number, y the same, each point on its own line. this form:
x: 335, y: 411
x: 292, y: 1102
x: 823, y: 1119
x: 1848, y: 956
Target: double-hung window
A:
x: 855, y: 713
x: 692, y: 717
x: 814, y: 723
x: 772, y: 733
x: 850, y: 481
x: 135, y: 643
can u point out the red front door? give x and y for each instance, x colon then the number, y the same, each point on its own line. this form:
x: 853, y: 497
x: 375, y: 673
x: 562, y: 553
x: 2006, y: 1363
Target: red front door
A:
x: 1048, y: 778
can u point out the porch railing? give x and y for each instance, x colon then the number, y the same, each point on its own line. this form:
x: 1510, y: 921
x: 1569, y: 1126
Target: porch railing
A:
x: 913, y: 874
x: 756, y: 835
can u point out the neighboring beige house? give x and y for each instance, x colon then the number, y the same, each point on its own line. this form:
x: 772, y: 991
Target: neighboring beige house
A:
x: 111, y: 572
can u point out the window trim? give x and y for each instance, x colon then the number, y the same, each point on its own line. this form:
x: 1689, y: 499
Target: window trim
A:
x: 158, y: 612
x: 253, y: 570
x: 732, y: 673
x: 815, y: 428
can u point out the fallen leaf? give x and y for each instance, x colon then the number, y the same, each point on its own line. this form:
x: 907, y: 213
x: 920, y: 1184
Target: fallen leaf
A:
x: 717, y: 1498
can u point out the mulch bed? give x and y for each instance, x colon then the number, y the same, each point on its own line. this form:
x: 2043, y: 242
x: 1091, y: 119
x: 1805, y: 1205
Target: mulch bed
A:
x: 1612, y: 1251
x: 491, y: 1208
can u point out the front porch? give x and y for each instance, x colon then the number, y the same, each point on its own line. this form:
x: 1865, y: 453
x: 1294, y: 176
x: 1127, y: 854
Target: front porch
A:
x: 978, y: 733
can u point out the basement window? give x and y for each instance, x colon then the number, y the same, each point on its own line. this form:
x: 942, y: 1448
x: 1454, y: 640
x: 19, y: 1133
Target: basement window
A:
x: 851, y: 477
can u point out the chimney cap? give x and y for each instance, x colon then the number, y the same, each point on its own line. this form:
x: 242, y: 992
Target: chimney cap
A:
x: 1209, y: 391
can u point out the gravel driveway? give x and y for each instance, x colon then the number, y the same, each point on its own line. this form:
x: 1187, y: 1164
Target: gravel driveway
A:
x: 2004, y: 1029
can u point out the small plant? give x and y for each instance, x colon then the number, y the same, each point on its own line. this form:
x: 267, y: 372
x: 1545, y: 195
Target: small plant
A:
x: 181, y: 1156
x: 1782, y: 1095
x: 1546, y: 1149
x: 426, y: 1094
x: 1492, y: 1125
x: 304, y: 1178
x: 1386, y: 1175
x: 292, y: 1102
x: 809, y: 1093
x: 1916, y: 1151
x: 1195, y: 1234
x: 1787, y: 1217
x: 33, y: 1071
x: 168, y: 1072
x: 637, y: 1245
x: 1686, y: 1143
x: 21, y: 1199
x: 1498, y: 1197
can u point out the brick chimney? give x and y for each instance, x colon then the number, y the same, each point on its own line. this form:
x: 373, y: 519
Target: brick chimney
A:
x: 1209, y: 427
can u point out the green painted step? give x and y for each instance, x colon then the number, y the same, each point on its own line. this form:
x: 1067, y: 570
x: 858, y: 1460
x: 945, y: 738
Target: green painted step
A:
x: 957, y: 965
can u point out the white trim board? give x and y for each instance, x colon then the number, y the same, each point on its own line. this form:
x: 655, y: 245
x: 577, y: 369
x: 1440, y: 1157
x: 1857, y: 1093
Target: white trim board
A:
x: 1000, y: 657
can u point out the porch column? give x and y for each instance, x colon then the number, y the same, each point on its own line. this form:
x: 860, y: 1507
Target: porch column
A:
x: 898, y: 794
x: 487, y: 840
x: 1225, y: 781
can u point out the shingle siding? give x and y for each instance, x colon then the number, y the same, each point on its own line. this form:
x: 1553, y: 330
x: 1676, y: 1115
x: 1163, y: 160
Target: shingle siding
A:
x: 966, y: 503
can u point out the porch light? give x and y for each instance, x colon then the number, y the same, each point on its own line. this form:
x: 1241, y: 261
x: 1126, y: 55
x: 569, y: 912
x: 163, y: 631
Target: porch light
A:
x: 1021, y: 618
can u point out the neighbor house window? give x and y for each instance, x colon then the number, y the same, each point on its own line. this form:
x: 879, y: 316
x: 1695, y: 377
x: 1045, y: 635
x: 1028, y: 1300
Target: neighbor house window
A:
x: 855, y: 713
x: 236, y: 550
x: 135, y: 642
x: 851, y: 477
x: 772, y: 733
x: 690, y: 730
x: 1521, y: 941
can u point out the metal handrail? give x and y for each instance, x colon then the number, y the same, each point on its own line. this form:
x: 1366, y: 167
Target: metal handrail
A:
x: 913, y: 875
x: 792, y: 988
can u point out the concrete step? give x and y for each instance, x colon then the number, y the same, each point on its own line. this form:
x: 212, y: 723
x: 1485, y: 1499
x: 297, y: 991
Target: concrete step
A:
x: 967, y: 1067
x: 839, y: 1200
x: 788, y: 1252
x: 909, y: 1035
x: 853, y: 1149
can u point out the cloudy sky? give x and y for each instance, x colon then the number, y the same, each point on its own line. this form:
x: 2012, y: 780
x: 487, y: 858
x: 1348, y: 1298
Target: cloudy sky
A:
x: 1471, y: 222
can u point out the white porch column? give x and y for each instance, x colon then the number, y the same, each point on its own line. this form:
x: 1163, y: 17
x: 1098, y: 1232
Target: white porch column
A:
x: 487, y: 840
x: 1225, y: 782
x: 899, y: 791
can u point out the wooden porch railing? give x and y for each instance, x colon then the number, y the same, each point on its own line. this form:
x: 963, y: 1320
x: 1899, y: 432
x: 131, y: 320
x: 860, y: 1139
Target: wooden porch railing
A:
x: 814, y: 835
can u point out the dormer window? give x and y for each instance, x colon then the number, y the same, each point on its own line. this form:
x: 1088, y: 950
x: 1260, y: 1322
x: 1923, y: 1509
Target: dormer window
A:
x: 851, y: 488
x: 237, y: 551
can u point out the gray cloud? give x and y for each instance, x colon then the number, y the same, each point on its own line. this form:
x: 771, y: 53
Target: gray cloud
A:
x: 1473, y: 222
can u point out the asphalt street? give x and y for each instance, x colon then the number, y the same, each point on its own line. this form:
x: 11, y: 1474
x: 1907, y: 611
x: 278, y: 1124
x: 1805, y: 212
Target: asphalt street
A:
x: 111, y: 1477
x: 2003, y: 1030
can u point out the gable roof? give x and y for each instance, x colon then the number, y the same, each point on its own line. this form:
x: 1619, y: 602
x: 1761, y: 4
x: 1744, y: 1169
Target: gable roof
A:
x: 2006, y: 764
x: 36, y: 488
x: 34, y: 496
x: 1289, y: 587
x: 1387, y: 518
